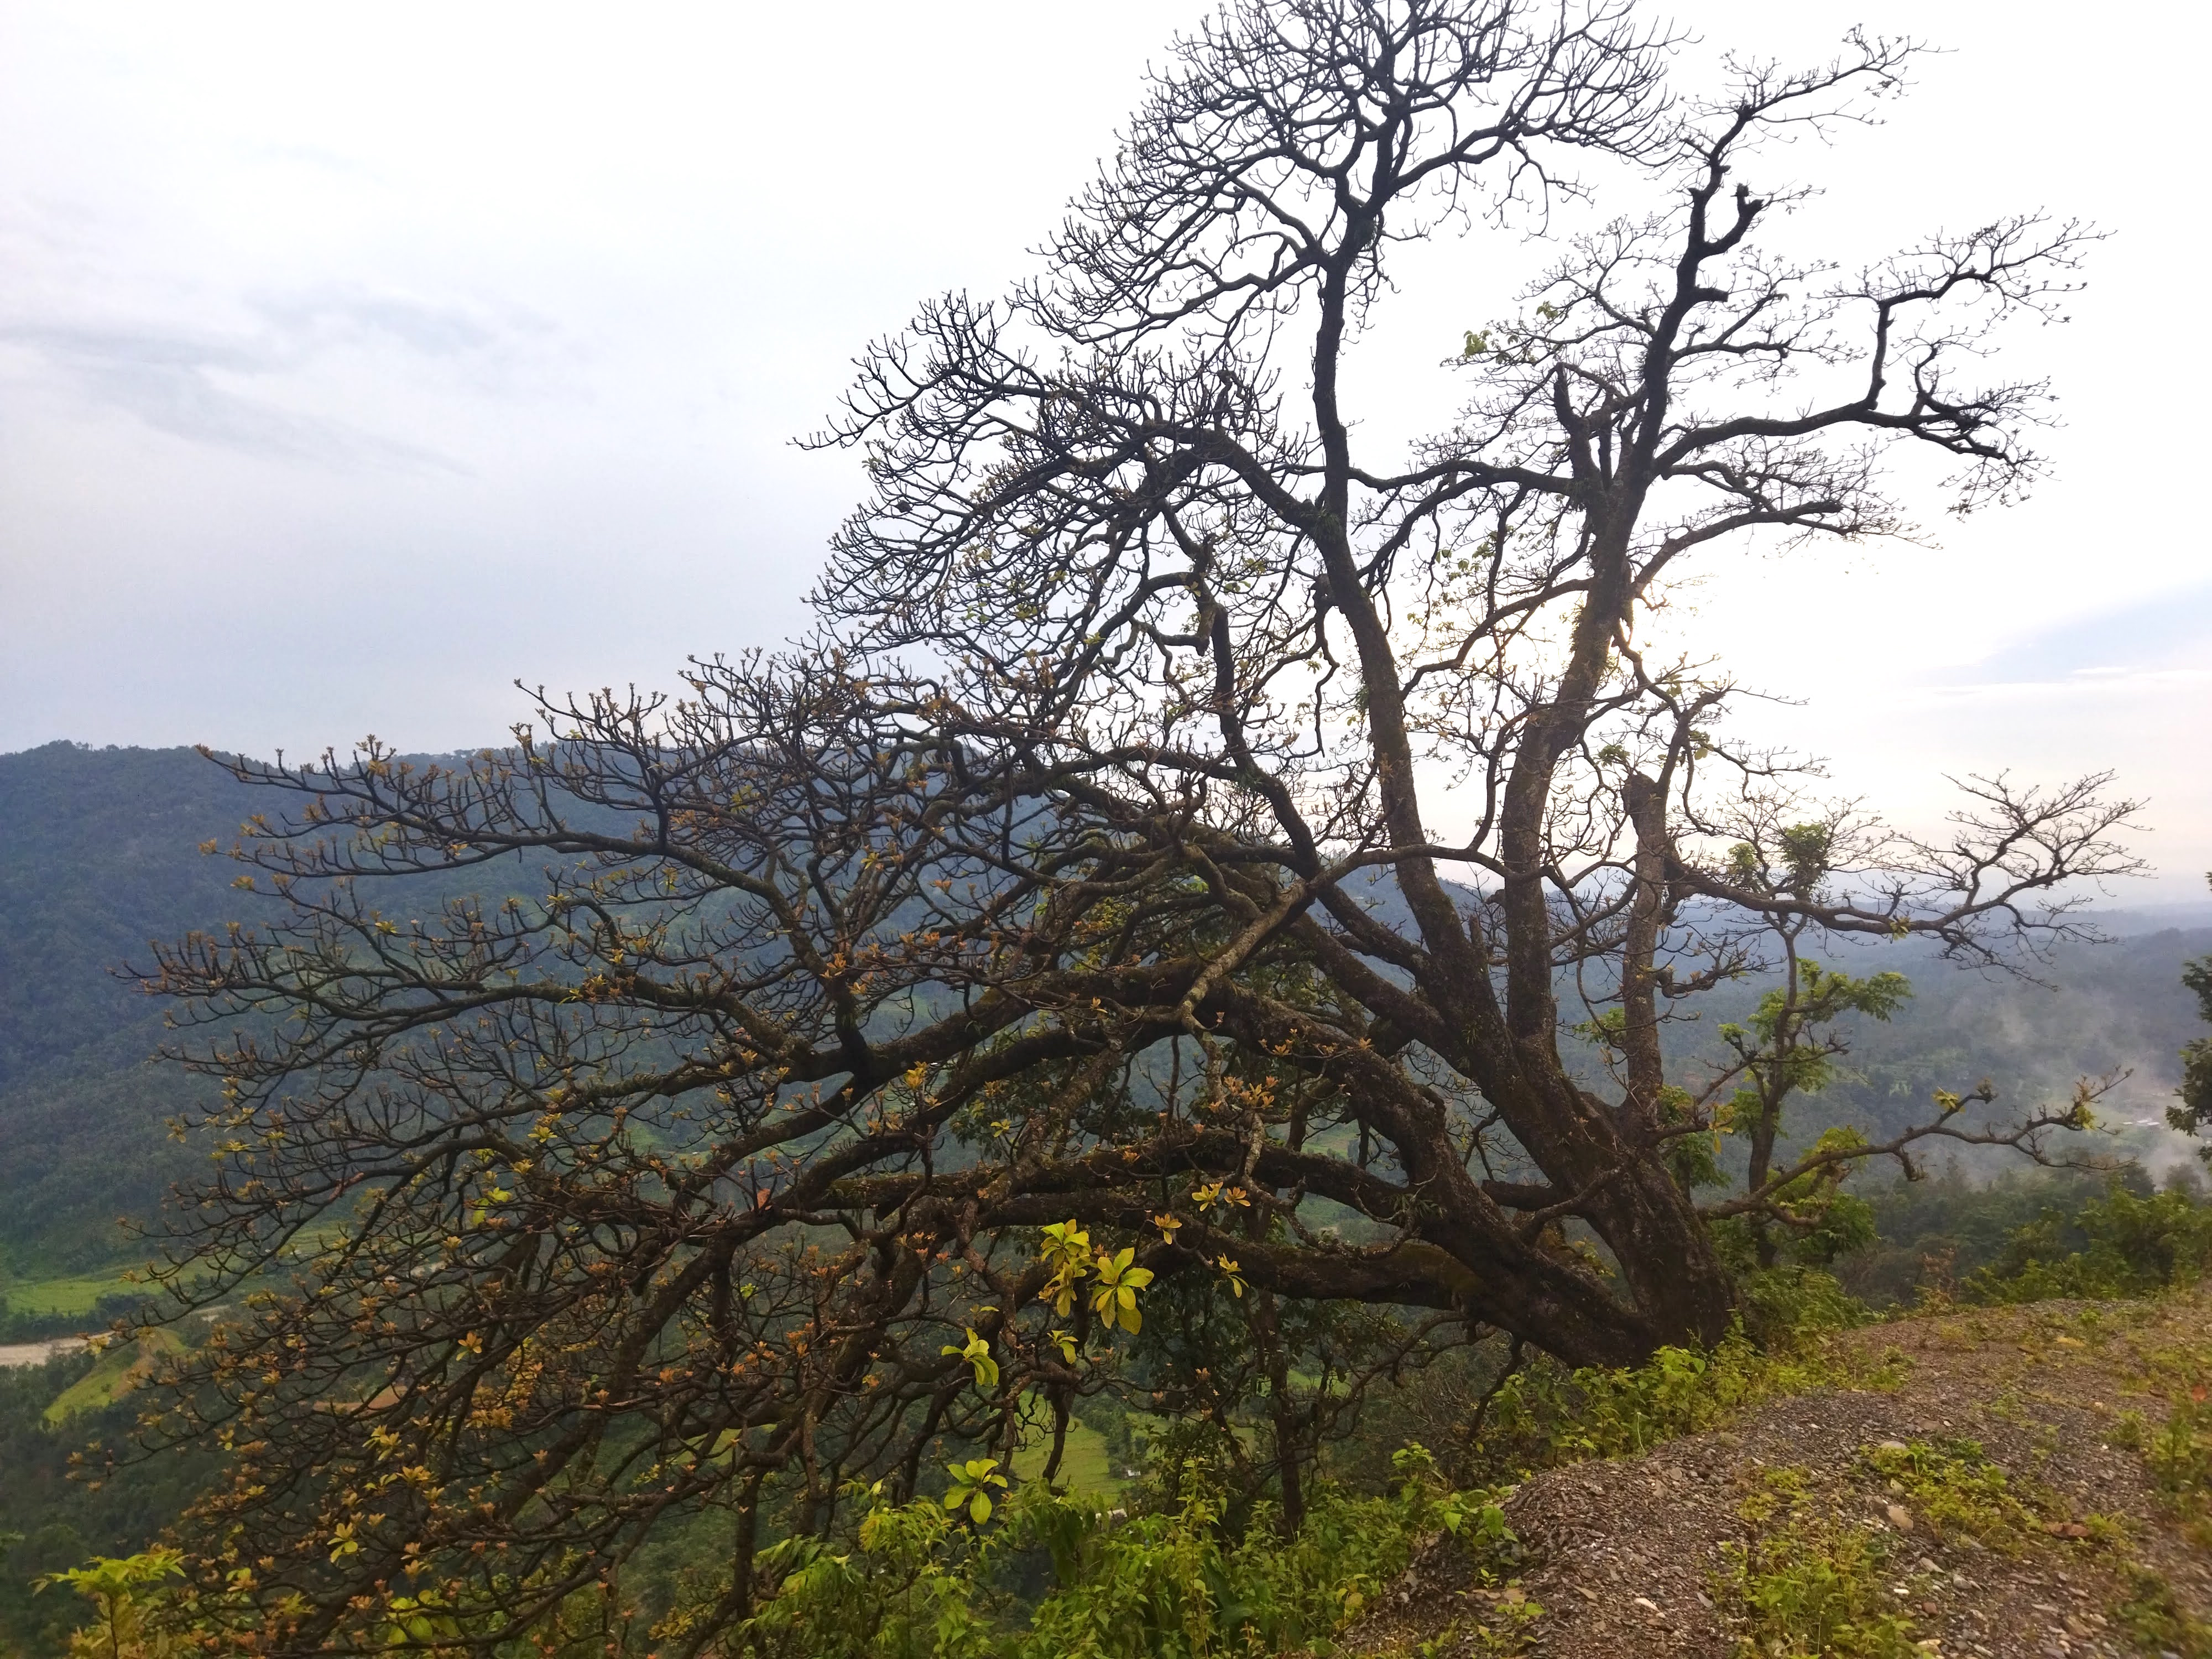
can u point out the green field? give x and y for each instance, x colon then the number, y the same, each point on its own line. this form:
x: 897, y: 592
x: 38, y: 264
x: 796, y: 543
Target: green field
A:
x: 119, y: 1372
x: 74, y: 1295
x: 1083, y: 1466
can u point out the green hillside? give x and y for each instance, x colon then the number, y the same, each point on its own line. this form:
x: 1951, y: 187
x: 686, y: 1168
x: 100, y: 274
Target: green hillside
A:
x: 119, y: 1370
x: 100, y: 854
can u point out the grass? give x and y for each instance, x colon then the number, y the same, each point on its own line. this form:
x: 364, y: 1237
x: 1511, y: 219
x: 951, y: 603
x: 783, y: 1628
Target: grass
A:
x: 1811, y: 1581
x: 77, y: 1294
x: 1086, y: 1465
x: 1957, y: 1491
x: 2154, y: 1619
x: 2178, y: 1455
x: 119, y: 1372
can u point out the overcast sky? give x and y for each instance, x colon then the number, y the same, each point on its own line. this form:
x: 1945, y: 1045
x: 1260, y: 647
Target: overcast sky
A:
x: 357, y: 361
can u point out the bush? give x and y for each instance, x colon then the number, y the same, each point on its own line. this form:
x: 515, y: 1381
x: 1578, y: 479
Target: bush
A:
x: 1174, y: 1584
x: 1546, y: 1414
x: 2124, y: 1244
x: 1937, y: 1230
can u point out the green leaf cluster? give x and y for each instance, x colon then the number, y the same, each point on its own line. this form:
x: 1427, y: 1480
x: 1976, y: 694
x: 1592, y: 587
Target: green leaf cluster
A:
x: 1177, y: 1582
x: 2126, y: 1243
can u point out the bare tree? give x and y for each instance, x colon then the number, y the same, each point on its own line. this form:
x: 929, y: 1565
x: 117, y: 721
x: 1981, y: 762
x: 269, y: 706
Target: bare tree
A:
x: 895, y: 1020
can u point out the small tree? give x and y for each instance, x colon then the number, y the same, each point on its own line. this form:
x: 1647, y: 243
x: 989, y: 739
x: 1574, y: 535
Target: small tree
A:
x: 127, y: 1594
x: 872, y: 1036
x: 2193, y: 1110
x: 1787, y: 1048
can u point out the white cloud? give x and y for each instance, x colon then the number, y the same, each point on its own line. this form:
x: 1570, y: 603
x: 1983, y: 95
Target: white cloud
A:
x: 353, y: 363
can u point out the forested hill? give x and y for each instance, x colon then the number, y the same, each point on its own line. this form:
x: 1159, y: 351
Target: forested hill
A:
x: 2092, y: 1010
x: 99, y: 854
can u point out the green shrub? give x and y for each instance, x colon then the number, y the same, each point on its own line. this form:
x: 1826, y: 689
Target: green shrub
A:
x: 1810, y: 1582
x: 2179, y: 1456
x: 1546, y: 1414
x: 124, y: 1591
x: 2125, y: 1243
x: 1783, y: 1305
x: 1171, y: 1583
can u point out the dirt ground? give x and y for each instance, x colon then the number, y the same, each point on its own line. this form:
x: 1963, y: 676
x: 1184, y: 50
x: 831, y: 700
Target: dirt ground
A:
x: 1630, y: 1556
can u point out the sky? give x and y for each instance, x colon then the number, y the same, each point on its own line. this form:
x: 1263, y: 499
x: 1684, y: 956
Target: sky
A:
x: 358, y: 362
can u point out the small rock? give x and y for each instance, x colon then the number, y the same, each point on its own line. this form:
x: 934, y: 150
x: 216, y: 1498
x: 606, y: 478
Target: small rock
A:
x: 1900, y: 1518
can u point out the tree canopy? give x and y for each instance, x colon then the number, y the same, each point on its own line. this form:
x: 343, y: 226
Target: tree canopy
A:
x: 1194, y: 861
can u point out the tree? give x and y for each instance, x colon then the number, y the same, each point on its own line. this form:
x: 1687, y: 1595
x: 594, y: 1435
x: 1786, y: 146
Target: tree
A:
x: 126, y: 1593
x: 869, y: 1037
x: 2194, y: 1110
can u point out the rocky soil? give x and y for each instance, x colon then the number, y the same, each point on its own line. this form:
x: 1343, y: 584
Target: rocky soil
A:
x: 1632, y: 1556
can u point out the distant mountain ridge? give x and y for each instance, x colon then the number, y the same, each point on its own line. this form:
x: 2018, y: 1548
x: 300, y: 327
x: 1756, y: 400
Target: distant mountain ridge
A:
x: 99, y: 854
